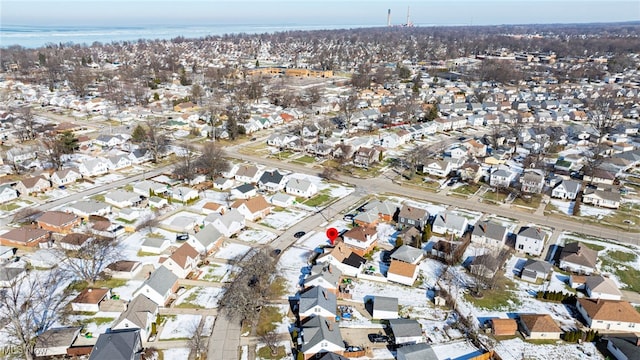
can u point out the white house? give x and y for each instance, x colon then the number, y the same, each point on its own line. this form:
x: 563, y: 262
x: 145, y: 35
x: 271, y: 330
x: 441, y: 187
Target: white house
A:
x: 567, y: 190
x: 361, y: 239
x: 65, y: 177
x: 93, y: 167
x: 600, y: 287
x: 159, y: 287
x: 229, y: 223
x: 182, y: 261
x: 402, y: 272
x: 141, y: 313
x: 530, y: 240
x: 406, y: 331
x: 301, y: 187
x: 122, y: 198
x: 385, y: 307
x: 7, y: 193
x: 154, y: 245
x: 89, y: 300
x: 489, y: 233
x: 450, y: 223
x: 317, y: 301
x: 184, y: 194
x: 440, y: 168
x: 612, y: 315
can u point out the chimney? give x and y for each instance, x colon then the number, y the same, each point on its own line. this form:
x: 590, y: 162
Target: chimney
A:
x: 324, y: 293
x: 637, y: 340
x: 329, y: 325
x: 329, y: 269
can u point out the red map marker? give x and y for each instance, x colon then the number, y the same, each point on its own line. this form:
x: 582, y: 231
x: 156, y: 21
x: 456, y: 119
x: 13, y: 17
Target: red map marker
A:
x: 332, y: 234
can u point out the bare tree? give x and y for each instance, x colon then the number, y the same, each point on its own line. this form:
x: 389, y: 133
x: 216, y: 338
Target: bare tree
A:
x: 31, y: 304
x: 251, y: 287
x: 79, y: 80
x: 25, y: 124
x: 149, y: 222
x: 185, y: 167
x: 271, y: 340
x: 88, y: 262
x: 348, y: 106
x: 212, y: 161
x: 197, y: 343
x: 155, y: 139
x: 58, y: 146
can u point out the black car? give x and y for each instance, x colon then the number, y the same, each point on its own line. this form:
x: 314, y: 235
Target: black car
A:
x: 348, y: 217
x: 182, y: 237
x: 378, y: 338
x: 299, y: 234
x: 276, y: 252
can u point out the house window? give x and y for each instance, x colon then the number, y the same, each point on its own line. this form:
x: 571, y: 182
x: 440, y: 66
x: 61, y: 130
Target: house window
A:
x: 521, y: 247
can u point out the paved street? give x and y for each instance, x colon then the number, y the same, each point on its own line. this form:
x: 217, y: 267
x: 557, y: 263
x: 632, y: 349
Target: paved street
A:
x: 224, y: 340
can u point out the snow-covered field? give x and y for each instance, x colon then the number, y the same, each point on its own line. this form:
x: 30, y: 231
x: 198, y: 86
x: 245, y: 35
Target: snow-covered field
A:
x: 232, y: 251
x: 207, y: 325
x: 282, y: 220
x: 290, y: 265
x: 216, y: 272
x: 312, y: 240
x: 516, y: 349
x: 176, y: 353
x: 256, y: 236
x: 204, y: 297
x: 179, y: 327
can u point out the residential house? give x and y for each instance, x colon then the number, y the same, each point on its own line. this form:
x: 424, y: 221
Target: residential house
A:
x: 118, y: 162
x: 182, y: 261
x: 530, y: 240
x: 229, y: 223
x: 366, y: 156
x: 503, y: 327
x: 361, y: 240
x: 248, y: 174
x: 443, y: 249
x: 318, y: 336
x: 600, y: 176
x: 7, y: 193
x: 613, y: 315
x: 420, y: 351
x: 107, y: 140
x: 437, y: 167
x: 301, y: 187
x: 367, y: 219
x: 86, y: 208
x: 535, y: 269
x: 343, y: 258
x: 65, y: 177
x: 123, y: 269
x: 58, y: 221
x: 154, y: 245
x: 385, y: 307
x: 317, y: 301
x: 74, y: 241
x: 156, y: 202
x: 252, y: 209
x: 489, y: 233
x: 450, y: 223
x: 566, y: 190
x: 89, y: 300
x: 486, y: 265
x: 118, y: 345
x: 149, y: 188
x: 7, y: 253
x: 538, y: 326
x: 184, y: 194
x: 141, y: 313
x: 471, y: 172
x: 623, y: 346
x: 578, y: 258
x: 282, y: 200
x: 25, y: 236
x: 32, y: 185
x: 122, y: 198
x: 93, y: 167
x: 608, y: 198
x: 532, y: 181
x: 600, y: 287
x: 411, y: 236
x: 244, y: 191
x: 412, y: 216
x: 56, y: 341
x: 324, y: 275
x: 272, y: 181
x: 406, y: 331
x: 384, y: 210
x: 280, y: 140
x: 159, y: 287
x: 140, y: 156
x: 402, y: 272
x: 206, y: 240
x: 222, y: 183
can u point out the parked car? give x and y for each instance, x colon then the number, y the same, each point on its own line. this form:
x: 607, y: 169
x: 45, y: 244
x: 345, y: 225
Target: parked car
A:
x: 378, y: 338
x: 348, y: 217
x: 276, y: 252
x: 299, y: 234
x: 182, y: 237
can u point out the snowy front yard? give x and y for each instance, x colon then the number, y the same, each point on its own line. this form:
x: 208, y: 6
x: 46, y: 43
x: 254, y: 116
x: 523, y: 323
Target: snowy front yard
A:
x: 179, y: 327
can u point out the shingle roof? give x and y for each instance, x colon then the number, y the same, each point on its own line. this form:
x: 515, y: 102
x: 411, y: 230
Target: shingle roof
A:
x: 318, y: 296
x: 405, y: 327
x: 57, y: 218
x: 578, y: 253
x: 420, y: 351
x: 537, y: 266
x: 601, y: 284
x: 90, y: 296
x: 407, y: 254
x: 540, y: 323
x: 532, y: 232
x: 611, y: 310
x: 161, y: 280
x: 58, y: 337
x: 489, y: 229
x: 116, y: 345
x: 410, y: 212
x: 24, y: 234
x: 317, y: 329
x: 137, y: 310
x: 384, y: 303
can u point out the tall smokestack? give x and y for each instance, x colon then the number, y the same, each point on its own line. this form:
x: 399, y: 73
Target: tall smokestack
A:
x: 409, y: 16
x: 389, y: 17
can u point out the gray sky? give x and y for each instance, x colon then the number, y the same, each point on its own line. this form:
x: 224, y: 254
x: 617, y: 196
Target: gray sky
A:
x: 312, y: 12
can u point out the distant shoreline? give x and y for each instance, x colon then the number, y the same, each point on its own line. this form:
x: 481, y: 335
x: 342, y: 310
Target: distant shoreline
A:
x: 38, y: 36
